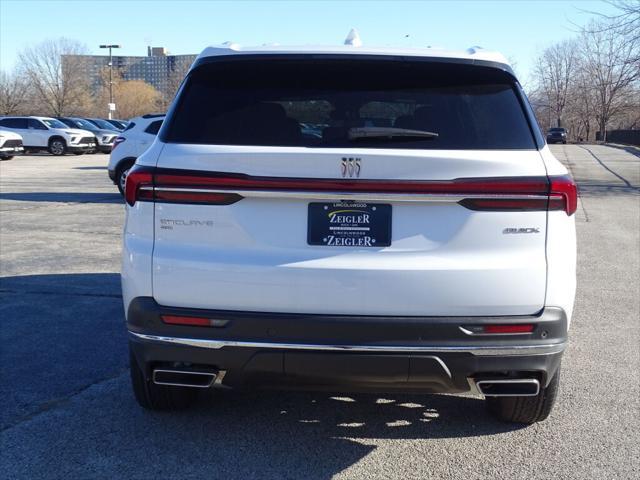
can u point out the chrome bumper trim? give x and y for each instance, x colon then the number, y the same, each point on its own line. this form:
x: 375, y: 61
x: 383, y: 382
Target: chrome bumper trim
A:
x: 480, y: 350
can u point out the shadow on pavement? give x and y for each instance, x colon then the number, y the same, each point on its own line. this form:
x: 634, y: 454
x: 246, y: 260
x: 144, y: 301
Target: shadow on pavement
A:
x: 58, y: 333
x: 64, y: 369
x: 589, y: 189
x: 288, y: 434
x: 627, y: 148
x: 626, y: 182
x: 63, y: 197
x: 90, y: 168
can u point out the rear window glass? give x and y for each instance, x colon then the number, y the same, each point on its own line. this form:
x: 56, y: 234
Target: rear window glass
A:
x: 14, y: 122
x: 154, y: 127
x: 319, y: 103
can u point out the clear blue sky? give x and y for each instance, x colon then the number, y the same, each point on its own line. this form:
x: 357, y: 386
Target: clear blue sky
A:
x: 519, y: 29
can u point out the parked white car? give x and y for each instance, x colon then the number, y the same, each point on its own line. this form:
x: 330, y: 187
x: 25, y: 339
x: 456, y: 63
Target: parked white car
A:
x: 415, y: 235
x: 10, y: 144
x: 45, y: 133
x: 104, y: 138
x: 130, y: 144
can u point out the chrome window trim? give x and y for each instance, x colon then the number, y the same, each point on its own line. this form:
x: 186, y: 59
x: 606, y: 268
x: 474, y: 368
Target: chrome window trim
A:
x: 478, y: 350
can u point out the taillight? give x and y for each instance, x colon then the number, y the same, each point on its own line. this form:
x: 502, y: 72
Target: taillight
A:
x: 563, y: 194
x: 486, y: 194
x: 117, y: 142
x: 210, y: 198
x: 506, y: 204
x: 137, y: 178
x: 145, y: 185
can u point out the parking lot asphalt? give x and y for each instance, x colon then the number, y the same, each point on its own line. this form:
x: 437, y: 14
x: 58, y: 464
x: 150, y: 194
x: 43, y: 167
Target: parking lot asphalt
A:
x: 67, y: 410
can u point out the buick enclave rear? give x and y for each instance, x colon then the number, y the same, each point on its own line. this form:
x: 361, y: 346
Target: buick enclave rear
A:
x: 350, y: 219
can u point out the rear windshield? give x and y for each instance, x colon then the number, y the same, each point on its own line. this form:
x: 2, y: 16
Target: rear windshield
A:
x: 319, y: 103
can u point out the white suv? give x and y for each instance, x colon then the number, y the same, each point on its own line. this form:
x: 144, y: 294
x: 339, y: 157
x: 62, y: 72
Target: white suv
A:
x: 415, y: 235
x: 10, y: 144
x: 130, y: 144
x: 45, y: 133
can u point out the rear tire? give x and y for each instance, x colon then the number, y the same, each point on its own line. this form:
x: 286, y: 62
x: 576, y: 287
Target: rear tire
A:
x: 121, y: 175
x: 6, y: 157
x: 526, y: 409
x: 158, y: 397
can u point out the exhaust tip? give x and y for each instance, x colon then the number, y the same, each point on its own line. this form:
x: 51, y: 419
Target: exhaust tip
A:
x: 184, y: 378
x: 516, y: 387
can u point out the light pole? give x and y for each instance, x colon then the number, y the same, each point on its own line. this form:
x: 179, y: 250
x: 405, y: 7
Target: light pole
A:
x: 111, y: 106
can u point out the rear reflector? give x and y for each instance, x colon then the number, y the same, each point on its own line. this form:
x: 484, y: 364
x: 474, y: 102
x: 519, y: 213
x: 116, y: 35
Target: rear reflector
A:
x: 178, y: 320
x: 193, y: 321
x: 520, y: 328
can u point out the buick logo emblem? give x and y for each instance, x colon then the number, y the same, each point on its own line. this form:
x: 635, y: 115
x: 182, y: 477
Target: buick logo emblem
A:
x: 350, y: 167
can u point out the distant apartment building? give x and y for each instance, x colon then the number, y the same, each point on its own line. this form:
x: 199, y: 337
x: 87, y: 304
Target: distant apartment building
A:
x: 157, y: 68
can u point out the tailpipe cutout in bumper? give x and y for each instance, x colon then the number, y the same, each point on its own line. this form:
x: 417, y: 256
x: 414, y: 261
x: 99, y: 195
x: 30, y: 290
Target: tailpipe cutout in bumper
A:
x: 186, y: 378
x: 516, y: 387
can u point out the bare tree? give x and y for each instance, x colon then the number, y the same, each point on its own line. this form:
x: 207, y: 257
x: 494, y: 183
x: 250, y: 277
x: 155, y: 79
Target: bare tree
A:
x: 627, y: 20
x: 555, y: 69
x: 607, y: 61
x: 57, y: 74
x: 14, y: 92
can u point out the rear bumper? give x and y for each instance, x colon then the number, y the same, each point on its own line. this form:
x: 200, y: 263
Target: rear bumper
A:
x: 347, y: 353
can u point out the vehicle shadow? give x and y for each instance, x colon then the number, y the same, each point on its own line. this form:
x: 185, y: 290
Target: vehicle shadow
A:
x: 63, y: 197
x: 390, y: 416
x: 269, y: 434
x: 593, y: 189
x: 627, y: 187
x: 65, y: 339
x: 627, y: 148
x: 90, y: 168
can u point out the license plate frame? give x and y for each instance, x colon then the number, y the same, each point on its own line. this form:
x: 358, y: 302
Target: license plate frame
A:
x: 349, y: 224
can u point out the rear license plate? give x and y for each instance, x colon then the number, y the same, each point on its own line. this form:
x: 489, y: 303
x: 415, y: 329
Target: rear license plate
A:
x: 349, y: 224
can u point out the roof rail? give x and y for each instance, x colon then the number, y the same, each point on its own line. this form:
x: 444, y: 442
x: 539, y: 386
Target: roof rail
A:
x: 153, y: 115
x: 474, y: 49
x: 353, y: 38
